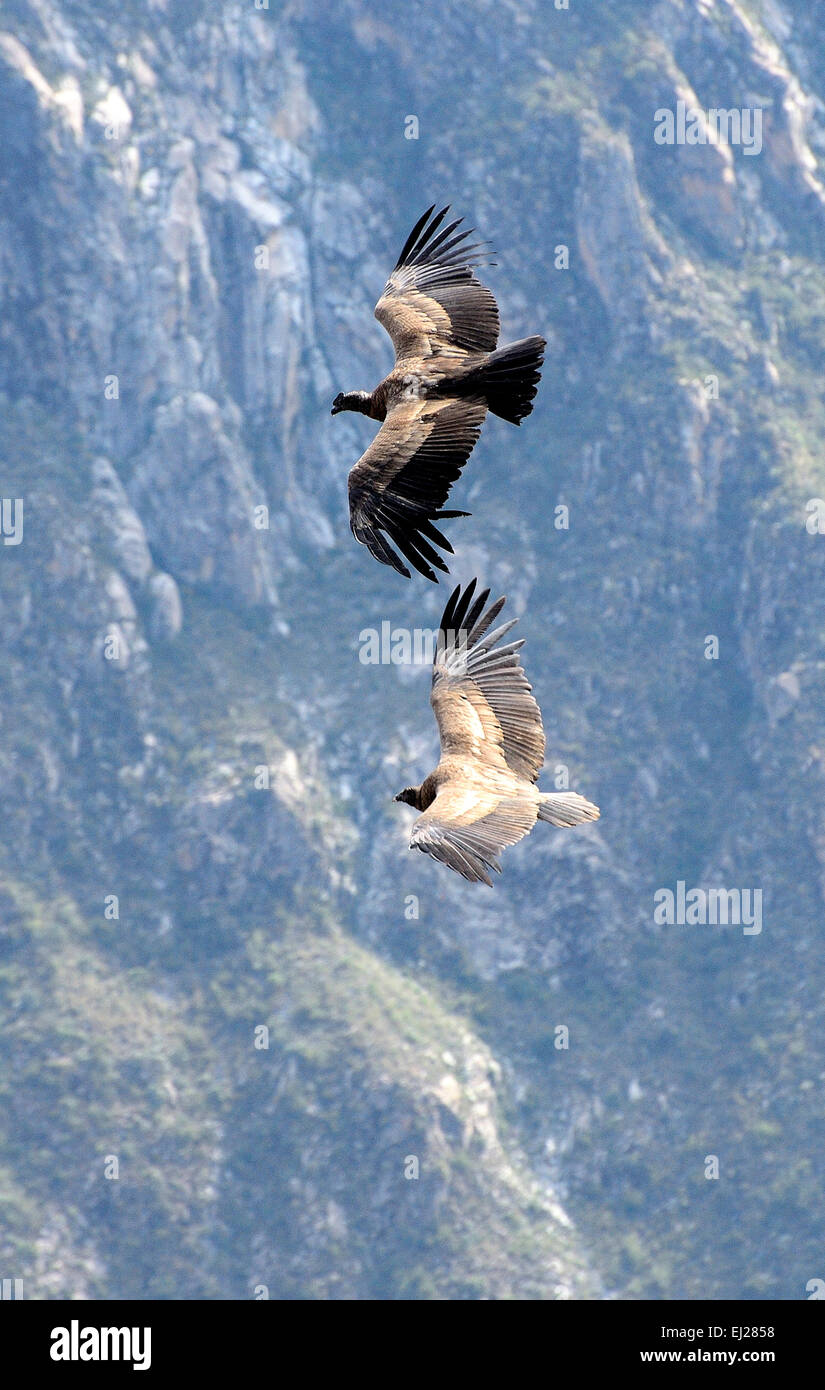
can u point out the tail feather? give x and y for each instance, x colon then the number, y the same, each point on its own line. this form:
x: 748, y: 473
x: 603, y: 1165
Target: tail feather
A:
x: 566, y: 808
x: 509, y: 377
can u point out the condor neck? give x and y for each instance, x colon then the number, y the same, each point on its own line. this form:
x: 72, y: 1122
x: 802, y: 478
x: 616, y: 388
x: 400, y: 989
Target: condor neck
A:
x: 365, y: 402
x: 362, y: 402
x: 426, y: 793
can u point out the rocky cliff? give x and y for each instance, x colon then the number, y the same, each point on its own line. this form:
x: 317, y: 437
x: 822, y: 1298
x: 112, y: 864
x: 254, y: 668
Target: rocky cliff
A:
x: 319, y: 1066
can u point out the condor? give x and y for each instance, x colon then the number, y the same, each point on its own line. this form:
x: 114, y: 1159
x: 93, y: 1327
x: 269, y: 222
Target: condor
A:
x: 483, y: 794
x: 448, y: 373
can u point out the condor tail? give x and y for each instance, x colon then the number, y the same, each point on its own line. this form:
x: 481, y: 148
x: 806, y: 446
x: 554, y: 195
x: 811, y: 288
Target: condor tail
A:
x: 566, y: 808
x: 509, y: 378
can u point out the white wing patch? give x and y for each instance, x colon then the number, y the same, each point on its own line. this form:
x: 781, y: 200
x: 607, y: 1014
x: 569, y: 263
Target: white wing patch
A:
x: 468, y: 802
x: 476, y: 726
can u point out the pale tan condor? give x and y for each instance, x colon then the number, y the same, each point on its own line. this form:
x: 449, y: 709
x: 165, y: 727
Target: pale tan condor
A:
x: 483, y: 794
x: 448, y: 373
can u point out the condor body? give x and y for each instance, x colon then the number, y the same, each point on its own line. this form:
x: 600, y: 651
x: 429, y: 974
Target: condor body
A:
x: 482, y: 796
x: 444, y: 326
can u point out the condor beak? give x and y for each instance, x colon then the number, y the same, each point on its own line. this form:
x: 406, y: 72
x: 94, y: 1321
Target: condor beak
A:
x: 336, y: 410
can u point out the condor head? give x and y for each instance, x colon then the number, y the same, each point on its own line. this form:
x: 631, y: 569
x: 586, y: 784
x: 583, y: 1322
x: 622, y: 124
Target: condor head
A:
x: 360, y: 401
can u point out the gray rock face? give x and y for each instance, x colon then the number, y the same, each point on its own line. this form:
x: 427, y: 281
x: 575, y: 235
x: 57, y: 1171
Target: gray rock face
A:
x: 621, y: 250
x: 120, y: 524
x: 195, y: 488
x: 157, y: 352
x: 167, y: 610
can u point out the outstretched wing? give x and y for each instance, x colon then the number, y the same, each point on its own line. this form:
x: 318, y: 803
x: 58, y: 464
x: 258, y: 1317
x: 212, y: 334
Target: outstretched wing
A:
x: 399, y: 485
x: 480, y: 695
x: 433, y: 302
x: 467, y: 829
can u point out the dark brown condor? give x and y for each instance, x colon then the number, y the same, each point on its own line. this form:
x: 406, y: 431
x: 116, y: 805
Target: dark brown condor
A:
x: 483, y: 794
x: 448, y: 373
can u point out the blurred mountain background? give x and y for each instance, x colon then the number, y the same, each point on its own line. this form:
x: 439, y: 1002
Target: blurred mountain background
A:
x: 320, y: 1066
